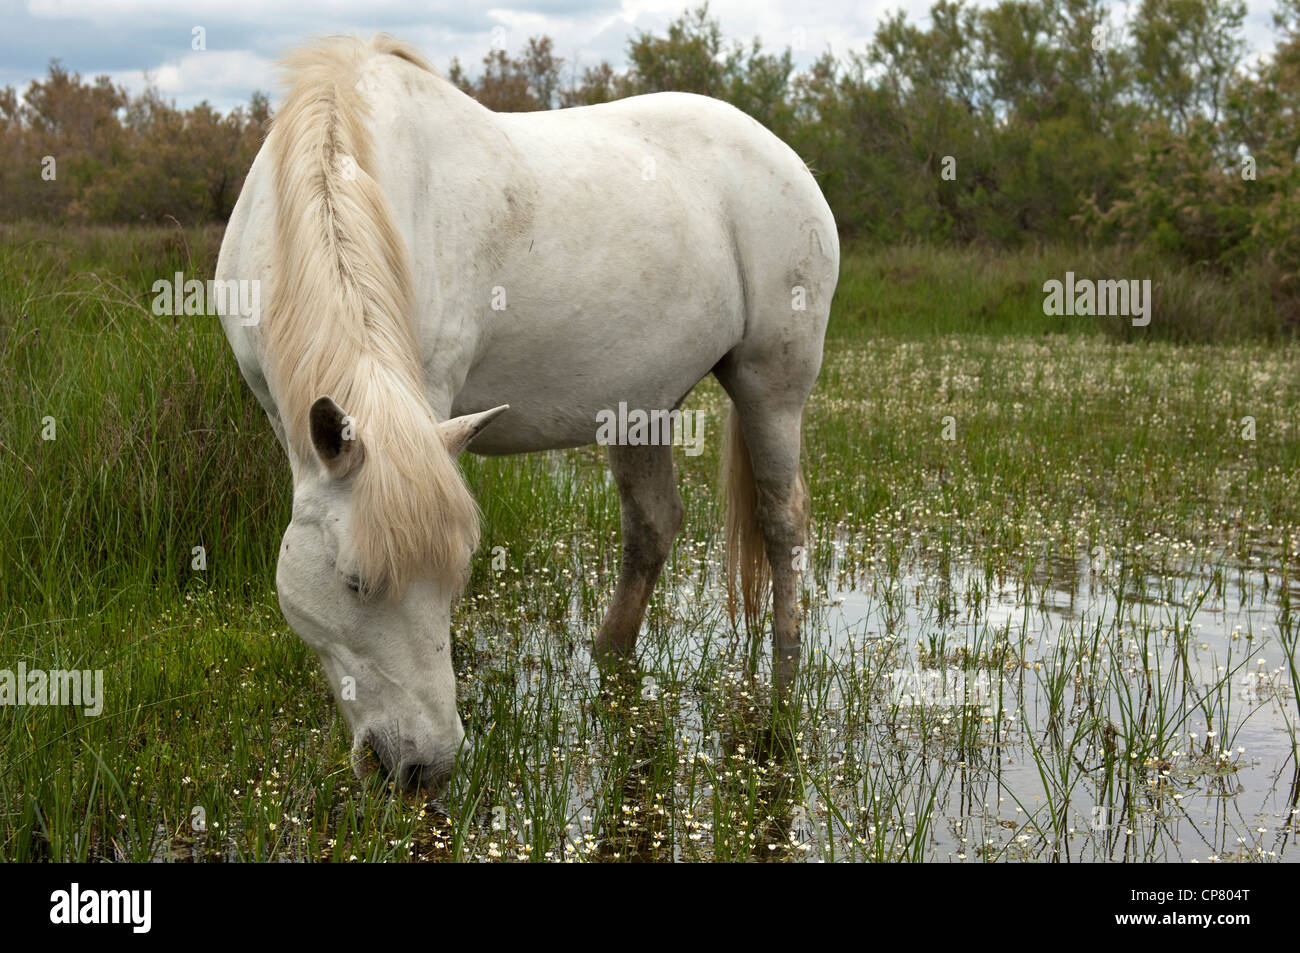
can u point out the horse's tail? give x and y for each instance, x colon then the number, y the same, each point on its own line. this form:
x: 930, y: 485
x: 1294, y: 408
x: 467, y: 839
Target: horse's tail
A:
x: 746, y: 554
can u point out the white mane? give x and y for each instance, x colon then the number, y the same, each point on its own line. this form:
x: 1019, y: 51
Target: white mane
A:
x: 340, y: 321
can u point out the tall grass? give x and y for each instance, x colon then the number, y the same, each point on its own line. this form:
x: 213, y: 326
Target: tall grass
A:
x: 923, y: 290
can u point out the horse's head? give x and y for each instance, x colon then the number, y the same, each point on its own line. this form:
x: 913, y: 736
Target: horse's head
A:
x: 386, y: 650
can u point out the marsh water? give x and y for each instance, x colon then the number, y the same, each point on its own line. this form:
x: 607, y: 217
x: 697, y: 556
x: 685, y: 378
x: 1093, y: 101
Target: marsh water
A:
x: 1087, y: 711
x: 1189, y: 662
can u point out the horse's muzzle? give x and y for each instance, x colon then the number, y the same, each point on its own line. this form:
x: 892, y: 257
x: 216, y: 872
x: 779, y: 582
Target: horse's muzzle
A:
x: 429, y: 776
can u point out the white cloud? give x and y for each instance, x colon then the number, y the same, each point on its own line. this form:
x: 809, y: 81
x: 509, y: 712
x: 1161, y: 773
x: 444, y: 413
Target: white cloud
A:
x: 219, y: 76
x: 120, y: 10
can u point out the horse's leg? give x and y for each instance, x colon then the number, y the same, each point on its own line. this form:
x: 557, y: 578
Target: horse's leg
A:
x: 770, y: 407
x: 782, y: 498
x: 651, y: 515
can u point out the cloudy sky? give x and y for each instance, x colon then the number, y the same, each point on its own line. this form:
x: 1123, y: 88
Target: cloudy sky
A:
x: 133, y: 39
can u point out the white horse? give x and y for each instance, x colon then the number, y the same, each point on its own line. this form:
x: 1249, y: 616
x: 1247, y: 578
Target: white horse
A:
x: 433, y: 267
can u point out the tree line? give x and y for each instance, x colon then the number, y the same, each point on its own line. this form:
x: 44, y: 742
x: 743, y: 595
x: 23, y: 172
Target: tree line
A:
x: 1031, y: 121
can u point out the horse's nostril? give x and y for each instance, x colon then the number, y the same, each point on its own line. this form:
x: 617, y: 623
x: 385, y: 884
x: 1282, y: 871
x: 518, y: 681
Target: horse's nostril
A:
x: 432, y: 777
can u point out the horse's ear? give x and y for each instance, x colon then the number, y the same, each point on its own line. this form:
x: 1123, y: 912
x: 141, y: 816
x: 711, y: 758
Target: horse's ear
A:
x: 333, y: 434
x: 459, y: 431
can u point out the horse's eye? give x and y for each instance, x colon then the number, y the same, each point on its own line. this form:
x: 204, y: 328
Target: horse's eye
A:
x: 353, y: 582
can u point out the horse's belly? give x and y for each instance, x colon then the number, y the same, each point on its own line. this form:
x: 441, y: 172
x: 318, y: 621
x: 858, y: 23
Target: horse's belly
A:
x: 562, y: 390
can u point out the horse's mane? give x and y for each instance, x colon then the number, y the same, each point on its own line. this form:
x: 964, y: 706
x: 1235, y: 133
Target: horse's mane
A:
x: 340, y: 321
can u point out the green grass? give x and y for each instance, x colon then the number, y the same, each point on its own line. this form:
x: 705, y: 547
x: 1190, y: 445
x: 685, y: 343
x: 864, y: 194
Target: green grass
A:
x: 920, y: 291
x: 1071, y: 439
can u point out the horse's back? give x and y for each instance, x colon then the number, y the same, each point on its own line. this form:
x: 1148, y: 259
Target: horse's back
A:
x: 773, y: 223
x: 778, y: 229
x: 676, y: 231
x: 633, y: 245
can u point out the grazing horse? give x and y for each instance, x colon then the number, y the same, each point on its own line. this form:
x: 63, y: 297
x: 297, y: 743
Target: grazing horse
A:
x: 441, y: 277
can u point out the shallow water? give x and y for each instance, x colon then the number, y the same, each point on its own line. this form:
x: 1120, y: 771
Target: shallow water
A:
x: 953, y: 716
x: 1222, y: 787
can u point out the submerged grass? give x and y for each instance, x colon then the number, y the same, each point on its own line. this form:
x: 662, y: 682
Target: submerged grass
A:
x: 1094, y: 527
